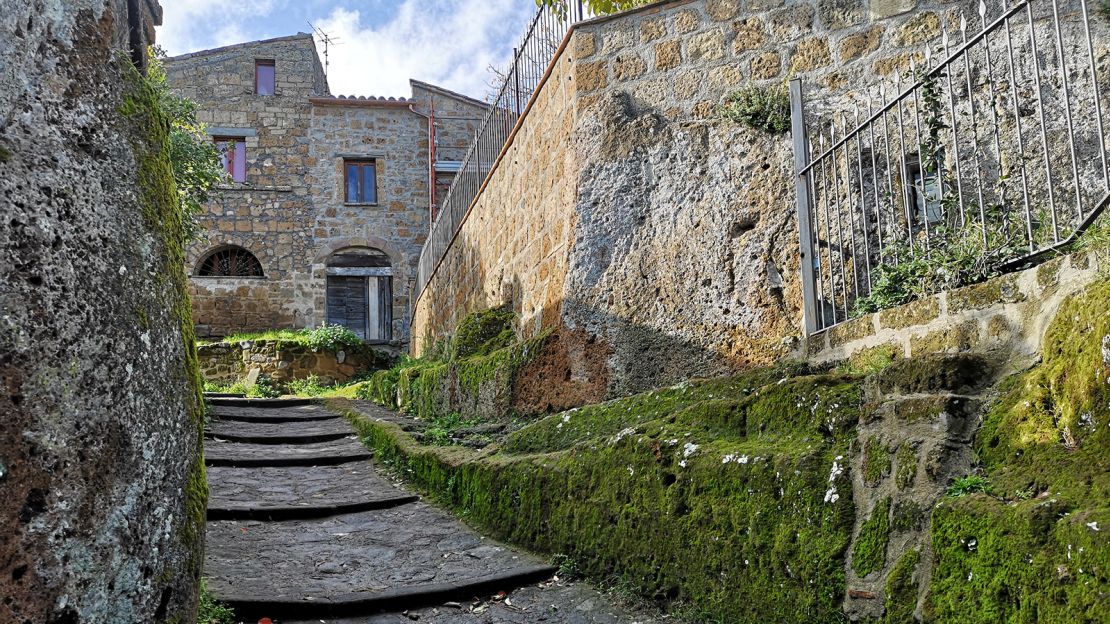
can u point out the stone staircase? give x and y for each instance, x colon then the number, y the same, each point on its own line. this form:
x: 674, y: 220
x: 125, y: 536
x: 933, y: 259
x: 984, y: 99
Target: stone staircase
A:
x: 301, y: 525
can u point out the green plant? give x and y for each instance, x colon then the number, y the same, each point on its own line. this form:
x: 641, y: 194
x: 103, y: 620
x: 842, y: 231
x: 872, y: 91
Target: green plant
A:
x: 212, y: 611
x: 443, y: 430
x: 568, y: 567
x: 263, y: 388
x: 309, y: 386
x: 1104, y: 9
x: 761, y: 108
x: 332, y: 338
x: 194, y: 158
x: 597, y: 7
x: 970, y: 484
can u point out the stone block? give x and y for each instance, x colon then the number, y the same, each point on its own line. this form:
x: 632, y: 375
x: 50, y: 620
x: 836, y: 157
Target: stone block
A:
x: 914, y: 313
x: 591, y: 76
x: 748, y: 34
x: 687, y: 21
x: 889, y: 8
x: 628, y: 66
x: 850, y: 330
x: 706, y: 46
x: 653, y: 29
x: 722, y: 10
x: 954, y: 339
x: 668, y: 55
x: 837, y: 14
x: 789, y: 23
x: 766, y: 66
x: 688, y: 84
x: 859, y: 44
x: 899, y: 62
x: 811, y: 54
x: 918, y: 29
x: 992, y: 292
x: 585, y: 44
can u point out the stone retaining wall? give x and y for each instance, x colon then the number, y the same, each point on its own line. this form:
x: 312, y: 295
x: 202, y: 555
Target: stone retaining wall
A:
x: 627, y: 215
x: 283, y: 361
x: 1007, y: 314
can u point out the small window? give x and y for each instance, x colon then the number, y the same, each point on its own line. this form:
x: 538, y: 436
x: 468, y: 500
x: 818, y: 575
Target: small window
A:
x: 361, y: 180
x: 233, y: 154
x: 230, y: 262
x: 264, y: 76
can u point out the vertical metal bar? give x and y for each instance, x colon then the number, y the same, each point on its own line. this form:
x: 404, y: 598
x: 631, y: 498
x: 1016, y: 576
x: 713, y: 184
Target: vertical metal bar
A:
x: 802, y: 188
x: 1044, y: 126
x: 850, y: 203
x: 955, y: 137
x: 1094, y: 87
x: 839, y: 220
x: 906, y: 197
x: 1001, y: 184
x: 863, y: 202
x: 818, y: 262
x: 516, y: 79
x: 1067, y: 110
x: 828, y: 221
x: 921, y: 164
x: 974, y: 132
x: 875, y: 177
x: 1017, y: 132
x: 892, y: 221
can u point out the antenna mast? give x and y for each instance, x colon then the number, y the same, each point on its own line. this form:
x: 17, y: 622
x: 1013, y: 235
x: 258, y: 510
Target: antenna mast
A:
x: 327, y: 40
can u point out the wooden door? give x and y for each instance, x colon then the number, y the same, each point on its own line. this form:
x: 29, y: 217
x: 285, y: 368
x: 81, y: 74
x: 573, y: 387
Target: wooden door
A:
x: 348, y: 304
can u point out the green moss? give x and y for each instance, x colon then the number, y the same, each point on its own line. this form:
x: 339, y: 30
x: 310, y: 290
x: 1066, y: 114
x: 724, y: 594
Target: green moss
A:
x: 1038, y: 560
x: 5, y: 154
x: 164, y: 216
x: 714, y: 494
x: 869, y: 552
x: 482, y: 332
x: 876, y: 461
x: 871, y: 360
x: 934, y: 373
x: 906, y: 473
x: 901, y: 590
x: 906, y: 515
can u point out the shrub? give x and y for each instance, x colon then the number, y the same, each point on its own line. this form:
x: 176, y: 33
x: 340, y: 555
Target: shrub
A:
x: 211, y: 611
x: 761, y: 108
x: 332, y: 338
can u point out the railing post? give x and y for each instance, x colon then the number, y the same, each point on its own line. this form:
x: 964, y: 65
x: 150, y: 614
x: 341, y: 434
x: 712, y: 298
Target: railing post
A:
x: 801, y: 181
x: 516, y: 79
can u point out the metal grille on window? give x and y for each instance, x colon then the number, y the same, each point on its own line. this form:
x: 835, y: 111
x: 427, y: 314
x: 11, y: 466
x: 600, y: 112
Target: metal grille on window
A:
x: 230, y: 262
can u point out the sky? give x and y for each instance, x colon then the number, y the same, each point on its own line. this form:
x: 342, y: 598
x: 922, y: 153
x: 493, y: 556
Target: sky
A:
x: 380, y: 43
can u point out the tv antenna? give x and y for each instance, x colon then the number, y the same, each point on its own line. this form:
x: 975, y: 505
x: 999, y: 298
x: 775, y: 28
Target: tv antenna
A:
x: 327, y: 40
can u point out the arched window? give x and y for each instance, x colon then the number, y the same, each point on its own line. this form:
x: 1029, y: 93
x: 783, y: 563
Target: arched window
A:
x: 230, y: 262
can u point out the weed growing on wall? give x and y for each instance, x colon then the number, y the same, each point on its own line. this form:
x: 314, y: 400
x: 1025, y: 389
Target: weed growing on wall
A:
x: 761, y: 108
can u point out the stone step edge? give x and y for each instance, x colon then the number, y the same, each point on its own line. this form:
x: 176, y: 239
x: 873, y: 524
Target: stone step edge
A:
x: 244, y: 402
x: 249, y: 608
x: 315, y: 438
x: 283, y: 462
x: 278, y: 514
x: 273, y: 419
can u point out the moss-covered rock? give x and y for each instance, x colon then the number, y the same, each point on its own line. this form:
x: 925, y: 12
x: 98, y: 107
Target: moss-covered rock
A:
x: 483, y: 332
x: 869, y: 552
x: 901, y: 589
x: 731, y: 495
x: 1045, y: 559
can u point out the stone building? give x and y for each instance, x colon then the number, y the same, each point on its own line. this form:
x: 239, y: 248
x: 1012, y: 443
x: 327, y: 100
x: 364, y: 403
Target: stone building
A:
x: 329, y: 197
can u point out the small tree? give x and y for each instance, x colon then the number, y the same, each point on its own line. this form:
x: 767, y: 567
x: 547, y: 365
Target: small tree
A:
x: 197, y: 166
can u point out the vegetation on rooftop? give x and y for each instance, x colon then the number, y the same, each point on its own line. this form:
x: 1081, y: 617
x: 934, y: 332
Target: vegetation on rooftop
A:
x: 325, y: 337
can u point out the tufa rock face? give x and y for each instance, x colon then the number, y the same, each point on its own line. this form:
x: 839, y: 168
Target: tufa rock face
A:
x: 640, y: 275
x: 102, y: 492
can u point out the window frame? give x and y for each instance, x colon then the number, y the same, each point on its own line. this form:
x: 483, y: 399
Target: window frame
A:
x: 238, y: 177
x: 206, y: 260
x: 360, y: 163
x: 257, y: 75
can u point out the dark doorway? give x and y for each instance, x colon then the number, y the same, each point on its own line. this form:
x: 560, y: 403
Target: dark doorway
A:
x: 360, y: 293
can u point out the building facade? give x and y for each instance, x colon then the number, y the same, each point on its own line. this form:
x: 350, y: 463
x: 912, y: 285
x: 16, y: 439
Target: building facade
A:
x: 328, y: 198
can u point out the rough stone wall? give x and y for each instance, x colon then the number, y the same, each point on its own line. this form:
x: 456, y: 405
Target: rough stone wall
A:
x: 102, y: 489
x: 291, y: 212
x: 280, y: 361
x: 682, y: 251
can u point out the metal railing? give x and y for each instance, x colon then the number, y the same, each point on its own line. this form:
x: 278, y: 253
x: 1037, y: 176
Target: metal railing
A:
x: 990, y: 145
x: 530, y: 62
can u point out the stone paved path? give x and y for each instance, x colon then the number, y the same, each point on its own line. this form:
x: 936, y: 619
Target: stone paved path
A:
x: 300, y: 527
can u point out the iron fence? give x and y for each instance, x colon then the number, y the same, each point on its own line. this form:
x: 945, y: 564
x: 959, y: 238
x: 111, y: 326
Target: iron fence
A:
x: 984, y: 155
x: 531, y: 58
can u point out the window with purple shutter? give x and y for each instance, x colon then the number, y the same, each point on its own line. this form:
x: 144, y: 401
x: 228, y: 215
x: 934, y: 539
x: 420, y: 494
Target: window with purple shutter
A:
x: 264, y: 76
x: 233, y: 154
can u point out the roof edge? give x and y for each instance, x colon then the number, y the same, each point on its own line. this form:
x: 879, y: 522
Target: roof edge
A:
x: 227, y: 48
x: 447, y: 92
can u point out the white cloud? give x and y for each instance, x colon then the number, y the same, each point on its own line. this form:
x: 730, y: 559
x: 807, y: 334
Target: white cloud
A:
x: 450, y: 44
x: 190, y: 25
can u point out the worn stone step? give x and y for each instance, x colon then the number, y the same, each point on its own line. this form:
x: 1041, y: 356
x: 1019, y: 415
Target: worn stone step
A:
x: 299, y: 492
x: 244, y: 455
x: 300, y: 413
x: 360, y: 563
x: 279, y: 433
x: 243, y: 402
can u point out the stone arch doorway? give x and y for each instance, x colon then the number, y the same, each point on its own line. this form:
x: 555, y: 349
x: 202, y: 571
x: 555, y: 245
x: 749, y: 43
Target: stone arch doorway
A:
x: 360, y: 292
